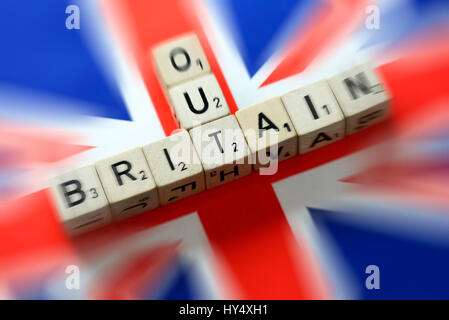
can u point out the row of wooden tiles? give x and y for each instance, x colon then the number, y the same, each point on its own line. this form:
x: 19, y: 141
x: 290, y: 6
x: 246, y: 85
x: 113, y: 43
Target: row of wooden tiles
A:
x: 195, y: 96
x: 219, y: 150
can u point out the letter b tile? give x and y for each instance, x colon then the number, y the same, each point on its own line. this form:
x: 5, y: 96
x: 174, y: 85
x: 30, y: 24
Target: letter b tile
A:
x: 128, y: 183
x: 198, y: 101
x: 81, y: 202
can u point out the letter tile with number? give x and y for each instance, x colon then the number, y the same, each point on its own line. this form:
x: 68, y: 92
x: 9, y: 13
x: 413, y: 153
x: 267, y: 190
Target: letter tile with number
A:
x: 198, y: 101
x: 269, y: 131
x: 128, y: 183
x: 222, y: 149
x: 179, y: 60
x: 176, y: 167
x: 362, y: 96
x: 81, y: 202
x: 316, y: 116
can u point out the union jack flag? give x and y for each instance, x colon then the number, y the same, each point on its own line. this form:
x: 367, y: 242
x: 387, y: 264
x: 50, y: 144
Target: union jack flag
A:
x: 311, y: 231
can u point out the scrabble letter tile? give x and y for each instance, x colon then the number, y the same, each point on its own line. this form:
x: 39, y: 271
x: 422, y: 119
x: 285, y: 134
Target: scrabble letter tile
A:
x: 222, y: 149
x: 268, y: 127
x: 198, y: 101
x: 176, y: 167
x: 316, y: 116
x: 362, y: 97
x: 128, y: 183
x: 80, y: 199
x: 179, y: 60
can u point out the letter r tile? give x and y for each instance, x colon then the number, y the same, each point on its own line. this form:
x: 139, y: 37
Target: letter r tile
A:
x: 128, y: 183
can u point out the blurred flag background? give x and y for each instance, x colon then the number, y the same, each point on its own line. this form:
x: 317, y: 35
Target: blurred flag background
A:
x: 69, y: 97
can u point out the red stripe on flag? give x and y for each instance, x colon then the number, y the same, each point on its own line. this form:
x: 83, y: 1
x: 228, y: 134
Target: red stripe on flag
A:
x: 29, y: 234
x: 256, y: 259
x: 151, y: 22
x: 330, y: 25
x: 247, y: 227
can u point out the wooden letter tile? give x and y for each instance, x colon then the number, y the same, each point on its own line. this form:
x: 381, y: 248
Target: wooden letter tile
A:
x: 269, y: 131
x: 198, y: 101
x: 176, y: 167
x: 362, y: 97
x: 128, y: 183
x: 179, y: 60
x: 222, y: 149
x: 80, y: 200
x: 316, y: 116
